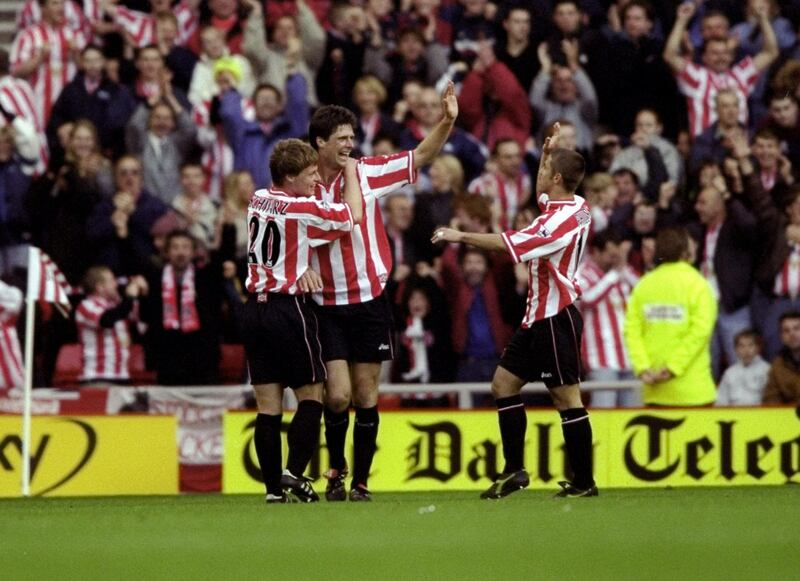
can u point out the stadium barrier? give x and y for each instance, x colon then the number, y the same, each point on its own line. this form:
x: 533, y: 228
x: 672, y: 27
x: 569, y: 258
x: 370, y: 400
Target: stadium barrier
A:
x: 91, y: 456
x: 437, y: 450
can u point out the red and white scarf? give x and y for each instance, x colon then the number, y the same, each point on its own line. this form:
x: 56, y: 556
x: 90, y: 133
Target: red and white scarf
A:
x: 189, y: 321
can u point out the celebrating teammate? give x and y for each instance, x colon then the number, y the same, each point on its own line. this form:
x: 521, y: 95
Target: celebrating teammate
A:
x: 547, y: 346
x: 281, y: 331
x: 356, y: 316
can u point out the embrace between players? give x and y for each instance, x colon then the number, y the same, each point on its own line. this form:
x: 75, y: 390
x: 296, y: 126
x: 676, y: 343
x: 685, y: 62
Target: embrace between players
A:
x: 317, y: 318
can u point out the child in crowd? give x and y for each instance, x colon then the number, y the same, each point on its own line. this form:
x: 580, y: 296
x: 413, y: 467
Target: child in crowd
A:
x: 743, y: 382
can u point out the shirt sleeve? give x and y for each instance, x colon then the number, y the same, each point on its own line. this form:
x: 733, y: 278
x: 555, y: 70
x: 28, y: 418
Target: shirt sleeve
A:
x: 540, y: 238
x: 385, y: 174
x: 690, y: 79
x: 88, y: 314
x: 745, y: 73
x: 323, y: 215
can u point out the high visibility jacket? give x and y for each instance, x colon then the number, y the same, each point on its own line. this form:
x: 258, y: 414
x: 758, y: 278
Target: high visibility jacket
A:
x: 670, y: 319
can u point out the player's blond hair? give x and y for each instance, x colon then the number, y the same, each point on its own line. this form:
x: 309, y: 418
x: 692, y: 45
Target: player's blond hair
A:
x: 289, y: 158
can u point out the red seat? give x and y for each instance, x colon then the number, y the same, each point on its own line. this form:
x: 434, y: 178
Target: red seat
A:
x: 69, y: 366
x: 232, y: 363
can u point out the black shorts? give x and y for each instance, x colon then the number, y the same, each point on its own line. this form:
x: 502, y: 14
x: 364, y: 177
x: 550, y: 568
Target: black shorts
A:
x: 548, y: 351
x: 362, y: 333
x: 281, y: 339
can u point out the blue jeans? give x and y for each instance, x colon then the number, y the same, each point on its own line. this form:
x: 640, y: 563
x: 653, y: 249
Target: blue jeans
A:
x: 728, y: 325
x: 612, y: 398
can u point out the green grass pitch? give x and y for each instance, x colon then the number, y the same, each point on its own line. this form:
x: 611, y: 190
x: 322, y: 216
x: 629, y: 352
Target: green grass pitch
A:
x: 700, y: 533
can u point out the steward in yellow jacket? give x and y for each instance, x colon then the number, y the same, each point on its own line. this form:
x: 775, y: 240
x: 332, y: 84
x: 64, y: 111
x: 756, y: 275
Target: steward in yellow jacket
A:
x: 668, y: 325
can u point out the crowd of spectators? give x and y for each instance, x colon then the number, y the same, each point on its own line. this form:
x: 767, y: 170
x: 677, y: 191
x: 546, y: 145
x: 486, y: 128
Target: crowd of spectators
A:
x: 133, y: 132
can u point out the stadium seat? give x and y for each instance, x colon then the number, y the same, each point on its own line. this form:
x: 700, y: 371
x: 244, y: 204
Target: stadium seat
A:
x: 232, y: 363
x: 68, y: 366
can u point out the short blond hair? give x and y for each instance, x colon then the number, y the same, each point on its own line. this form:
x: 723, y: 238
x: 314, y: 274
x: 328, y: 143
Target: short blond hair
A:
x: 289, y: 158
x: 371, y: 83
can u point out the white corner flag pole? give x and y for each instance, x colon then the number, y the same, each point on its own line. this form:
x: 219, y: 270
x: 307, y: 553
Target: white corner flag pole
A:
x: 30, y: 311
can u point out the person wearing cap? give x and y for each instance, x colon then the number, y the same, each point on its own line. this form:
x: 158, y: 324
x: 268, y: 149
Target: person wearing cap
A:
x: 214, y: 59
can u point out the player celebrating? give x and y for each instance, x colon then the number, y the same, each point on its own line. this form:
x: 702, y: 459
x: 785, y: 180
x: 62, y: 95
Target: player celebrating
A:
x: 357, y: 321
x: 547, y: 346
x: 280, y: 327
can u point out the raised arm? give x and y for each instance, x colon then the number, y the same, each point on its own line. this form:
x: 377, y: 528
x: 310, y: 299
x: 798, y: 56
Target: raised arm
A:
x: 770, y: 51
x: 432, y: 144
x: 672, y: 47
x: 352, y: 190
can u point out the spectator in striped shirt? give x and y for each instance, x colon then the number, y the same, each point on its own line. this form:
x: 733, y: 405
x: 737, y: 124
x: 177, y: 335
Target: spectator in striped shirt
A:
x: 45, y: 53
x: 11, y: 365
x: 506, y: 186
x: 103, y: 319
x: 607, y: 280
x: 700, y: 83
x: 280, y: 326
x: 546, y: 347
x: 356, y: 314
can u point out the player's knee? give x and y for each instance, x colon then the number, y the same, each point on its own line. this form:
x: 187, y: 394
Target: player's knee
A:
x: 337, y: 402
x: 365, y: 396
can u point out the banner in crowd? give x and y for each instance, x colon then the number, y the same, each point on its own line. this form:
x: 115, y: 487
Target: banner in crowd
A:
x: 90, y: 455
x: 632, y: 448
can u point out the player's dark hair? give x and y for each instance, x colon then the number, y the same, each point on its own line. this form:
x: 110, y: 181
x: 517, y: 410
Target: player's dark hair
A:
x: 672, y: 244
x: 289, y: 158
x: 570, y: 164
x: 326, y: 120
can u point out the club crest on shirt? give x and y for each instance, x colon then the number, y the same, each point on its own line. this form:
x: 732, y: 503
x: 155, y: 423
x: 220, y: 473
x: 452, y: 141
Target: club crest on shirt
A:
x: 583, y: 216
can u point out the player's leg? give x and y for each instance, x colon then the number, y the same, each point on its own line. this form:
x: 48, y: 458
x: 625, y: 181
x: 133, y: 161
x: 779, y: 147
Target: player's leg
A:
x: 336, y: 397
x: 303, y: 438
x: 506, y: 387
x: 267, y: 437
x: 577, y: 432
x: 365, y: 431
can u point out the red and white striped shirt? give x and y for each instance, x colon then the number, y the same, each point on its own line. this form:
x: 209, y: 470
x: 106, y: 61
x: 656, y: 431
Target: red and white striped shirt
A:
x: 355, y: 268
x: 76, y: 17
x: 17, y: 97
x: 217, y: 157
x: 507, y: 195
x: 12, y: 372
x: 787, y: 281
x: 604, y: 299
x: 552, y: 246
x: 701, y: 85
x: 283, y: 229
x: 53, y: 74
x: 141, y: 26
x: 106, y: 351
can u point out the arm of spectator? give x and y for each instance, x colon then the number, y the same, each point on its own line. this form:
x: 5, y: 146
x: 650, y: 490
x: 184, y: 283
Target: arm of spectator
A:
x: 656, y: 173
x: 470, y: 99
x: 770, y: 50
x: 595, y: 291
x: 672, y: 47
x: 539, y: 88
x: 433, y: 142
x: 312, y: 34
x: 110, y: 317
x: 502, y: 83
x: 233, y: 122
x: 702, y: 317
x: 772, y: 391
x: 185, y: 132
x: 437, y: 56
x: 297, y: 104
x: 25, y: 58
x: 120, y: 110
x: 136, y: 130
x: 26, y: 140
x: 375, y: 63
x: 254, y: 37
x: 587, y: 96
x: 724, y: 390
x: 670, y: 157
x: 99, y: 227
x: 633, y: 332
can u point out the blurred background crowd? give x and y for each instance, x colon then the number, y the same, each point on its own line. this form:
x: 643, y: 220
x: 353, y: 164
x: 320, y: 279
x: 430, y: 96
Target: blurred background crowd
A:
x: 133, y: 133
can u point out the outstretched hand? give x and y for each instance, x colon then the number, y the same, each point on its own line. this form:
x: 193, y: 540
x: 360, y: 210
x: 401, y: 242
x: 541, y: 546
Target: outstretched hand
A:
x: 449, y: 102
x: 446, y: 235
x: 552, y: 142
